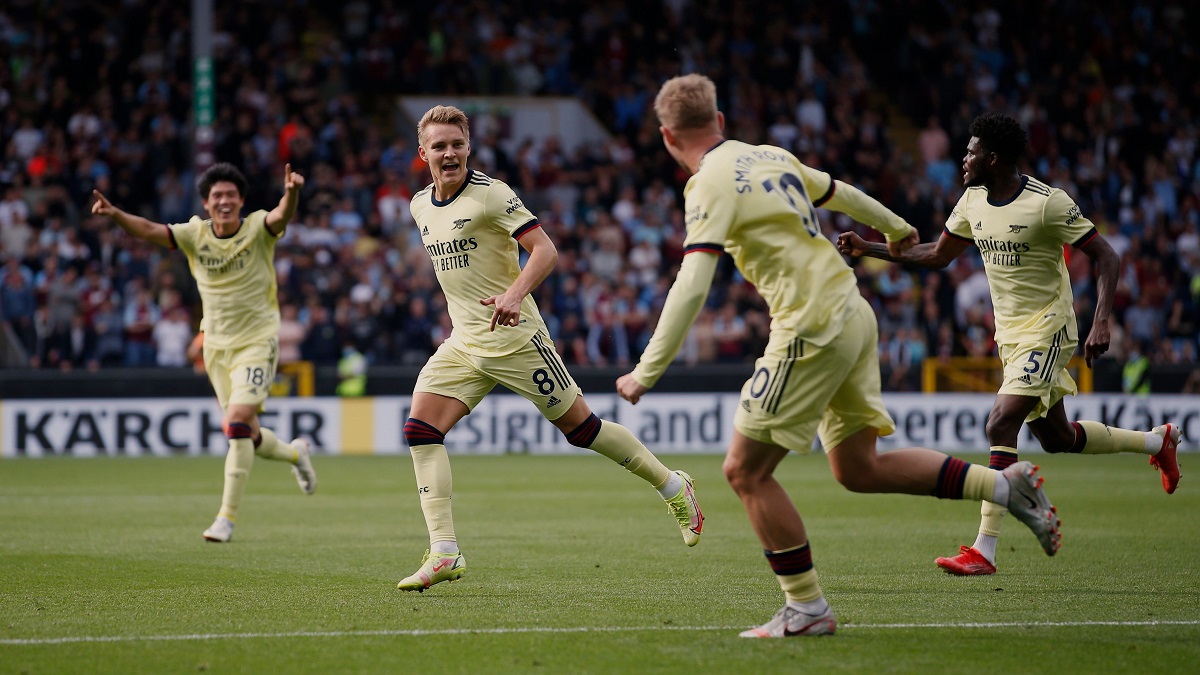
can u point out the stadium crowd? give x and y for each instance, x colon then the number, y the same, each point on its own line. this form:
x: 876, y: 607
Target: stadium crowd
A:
x: 877, y: 94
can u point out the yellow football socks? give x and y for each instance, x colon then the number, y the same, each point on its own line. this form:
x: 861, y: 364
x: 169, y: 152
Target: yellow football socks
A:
x: 980, y: 483
x: 435, y: 485
x: 621, y: 446
x: 271, y: 447
x: 237, y: 470
x: 1106, y: 440
x: 990, y: 517
x: 794, y: 570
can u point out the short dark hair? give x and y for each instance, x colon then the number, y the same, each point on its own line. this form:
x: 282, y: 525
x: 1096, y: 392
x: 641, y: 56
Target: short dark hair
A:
x: 1002, y: 135
x: 221, y: 171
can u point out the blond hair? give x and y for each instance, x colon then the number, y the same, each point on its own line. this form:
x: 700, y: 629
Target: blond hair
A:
x: 443, y: 114
x: 687, y: 102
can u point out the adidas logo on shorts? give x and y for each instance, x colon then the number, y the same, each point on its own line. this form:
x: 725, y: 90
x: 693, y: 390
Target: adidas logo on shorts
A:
x: 552, y: 402
x: 1025, y: 379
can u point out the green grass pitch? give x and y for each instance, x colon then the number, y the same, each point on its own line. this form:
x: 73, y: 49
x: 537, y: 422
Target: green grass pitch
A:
x: 574, y: 566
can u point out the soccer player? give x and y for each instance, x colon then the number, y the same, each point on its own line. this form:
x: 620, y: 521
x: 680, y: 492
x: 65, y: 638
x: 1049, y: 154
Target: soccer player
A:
x: 232, y: 260
x: 1020, y: 226
x: 819, y: 374
x: 471, y: 226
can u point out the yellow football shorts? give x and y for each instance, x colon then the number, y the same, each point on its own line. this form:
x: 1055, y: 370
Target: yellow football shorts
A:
x: 1038, y: 369
x: 242, y: 375
x: 534, y: 371
x: 800, y: 390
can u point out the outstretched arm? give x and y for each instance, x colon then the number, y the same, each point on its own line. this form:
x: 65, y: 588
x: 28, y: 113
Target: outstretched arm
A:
x: 543, y: 256
x: 935, y: 254
x: 864, y: 208
x: 136, y: 226
x: 281, y: 215
x: 1108, y: 266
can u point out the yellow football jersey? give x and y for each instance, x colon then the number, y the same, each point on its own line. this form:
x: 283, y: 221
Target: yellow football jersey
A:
x: 757, y: 204
x: 236, y: 279
x: 1021, y: 242
x: 472, y: 240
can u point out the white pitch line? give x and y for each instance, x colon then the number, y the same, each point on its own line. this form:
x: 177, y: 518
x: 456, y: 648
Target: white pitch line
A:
x: 551, y: 630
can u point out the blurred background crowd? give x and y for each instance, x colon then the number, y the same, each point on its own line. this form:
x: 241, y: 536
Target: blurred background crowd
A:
x: 98, y: 96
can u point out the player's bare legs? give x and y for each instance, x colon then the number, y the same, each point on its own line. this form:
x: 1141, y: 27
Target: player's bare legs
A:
x: 1054, y: 431
x: 858, y: 466
x: 238, y: 413
x: 442, y: 412
x: 584, y: 429
x: 575, y: 415
x: 750, y: 469
x: 1007, y: 416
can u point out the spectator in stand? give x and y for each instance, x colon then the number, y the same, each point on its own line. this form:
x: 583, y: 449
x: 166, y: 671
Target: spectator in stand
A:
x: 77, y: 345
x: 933, y: 141
x: 13, y: 209
x: 607, y: 341
x: 700, y: 346
x: 172, y: 335
x: 62, y: 297
x: 416, y: 334
x: 174, y: 199
x: 45, y: 350
x: 571, y: 340
x: 730, y: 333
x: 783, y: 132
x: 606, y: 259
x: 18, y: 304
x: 391, y: 199
x: 1144, y: 321
x: 141, y: 315
x: 16, y: 237
x: 323, y: 343
x: 346, y: 221
x: 26, y: 140
x: 292, y: 333
x: 942, y: 172
x: 108, y: 323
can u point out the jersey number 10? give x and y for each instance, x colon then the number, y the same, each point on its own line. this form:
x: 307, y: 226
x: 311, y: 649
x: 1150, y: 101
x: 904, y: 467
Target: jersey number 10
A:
x: 788, y: 183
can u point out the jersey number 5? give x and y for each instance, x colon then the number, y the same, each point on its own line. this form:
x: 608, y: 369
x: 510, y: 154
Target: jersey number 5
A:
x: 789, y: 183
x: 1032, y: 365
